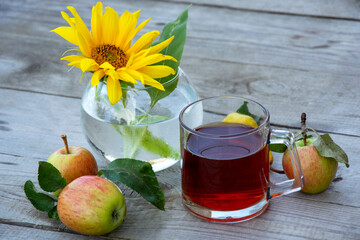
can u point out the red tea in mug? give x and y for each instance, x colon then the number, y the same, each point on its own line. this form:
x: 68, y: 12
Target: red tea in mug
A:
x: 225, y: 174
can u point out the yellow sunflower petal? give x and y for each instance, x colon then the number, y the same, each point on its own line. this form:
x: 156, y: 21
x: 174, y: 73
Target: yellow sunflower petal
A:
x: 157, y: 71
x: 110, y: 26
x: 158, y: 47
x: 87, y: 64
x: 144, y: 42
x: 114, y: 90
x: 84, y: 45
x: 97, y: 22
x: 140, y: 55
x: 67, y: 19
x: 68, y: 33
x: 149, y: 60
x: 74, y: 60
x: 107, y: 66
x: 81, y: 27
x: 136, y: 75
x: 112, y: 73
x: 126, y: 77
x: 137, y: 14
x: 136, y: 30
x: 96, y: 77
x: 152, y: 82
x: 130, y: 60
x: 126, y: 24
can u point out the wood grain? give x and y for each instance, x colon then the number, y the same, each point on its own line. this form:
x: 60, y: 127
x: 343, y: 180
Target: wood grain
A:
x: 309, y: 65
x: 293, y: 57
x: 320, y: 8
x: 336, y: 209
x: 293, y: 217
x: 10, y: 232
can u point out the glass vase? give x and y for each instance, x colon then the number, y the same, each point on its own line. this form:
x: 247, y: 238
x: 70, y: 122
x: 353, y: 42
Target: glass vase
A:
x: 137, y: 127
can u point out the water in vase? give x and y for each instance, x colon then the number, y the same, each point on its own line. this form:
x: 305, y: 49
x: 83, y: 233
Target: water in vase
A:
x: 136, y: 131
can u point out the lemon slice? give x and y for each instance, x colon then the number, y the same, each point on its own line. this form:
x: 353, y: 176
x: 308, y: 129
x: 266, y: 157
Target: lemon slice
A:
x: 241, y: 119
x: 246, y: 120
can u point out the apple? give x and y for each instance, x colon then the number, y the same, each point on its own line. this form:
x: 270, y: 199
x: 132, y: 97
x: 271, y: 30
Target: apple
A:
x: 91, y: 205
x: 73, y: 162
x: 318, y: 171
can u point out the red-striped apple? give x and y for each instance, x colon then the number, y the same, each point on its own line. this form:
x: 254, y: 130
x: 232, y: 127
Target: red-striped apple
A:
x: 318, y: 171
x: 91, y: 205
x: 73, y: 162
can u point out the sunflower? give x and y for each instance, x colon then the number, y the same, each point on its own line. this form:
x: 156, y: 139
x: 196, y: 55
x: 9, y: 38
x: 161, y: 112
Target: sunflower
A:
x: 108, y: 53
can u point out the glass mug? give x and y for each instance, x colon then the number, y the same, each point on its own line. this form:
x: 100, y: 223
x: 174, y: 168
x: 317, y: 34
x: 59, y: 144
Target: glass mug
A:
x: 225, y: 166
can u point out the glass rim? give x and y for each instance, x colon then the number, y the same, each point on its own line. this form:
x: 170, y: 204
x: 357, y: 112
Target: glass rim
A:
x: 250, y: 131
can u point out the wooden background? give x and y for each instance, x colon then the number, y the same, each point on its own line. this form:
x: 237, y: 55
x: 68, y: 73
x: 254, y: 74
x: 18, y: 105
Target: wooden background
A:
x: 292, y: 56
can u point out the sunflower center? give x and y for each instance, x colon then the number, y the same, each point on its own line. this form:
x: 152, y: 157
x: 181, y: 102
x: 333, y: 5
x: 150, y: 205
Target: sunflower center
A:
x: 109, y: 53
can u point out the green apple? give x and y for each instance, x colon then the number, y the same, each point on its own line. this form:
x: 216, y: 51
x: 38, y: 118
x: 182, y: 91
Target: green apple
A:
x: 73, y: 162
x: 318, y: 171
x: 91, y: 205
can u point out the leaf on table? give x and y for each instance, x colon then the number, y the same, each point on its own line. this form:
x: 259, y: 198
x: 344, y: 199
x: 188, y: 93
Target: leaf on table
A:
x: 49, y: 177
x: 243, y: 109
x: 175, y: 49
x: 328, y: 148
x: 40, y: 201
x: 139, y: 176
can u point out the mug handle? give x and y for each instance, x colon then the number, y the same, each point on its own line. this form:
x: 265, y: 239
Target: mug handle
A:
x: 291, y: 185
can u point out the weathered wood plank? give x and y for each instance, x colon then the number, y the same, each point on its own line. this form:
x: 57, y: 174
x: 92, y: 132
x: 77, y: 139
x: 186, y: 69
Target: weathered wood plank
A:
x: 328, y: 100
x: 289, y: 63
x: 9, y: 232
x: 140, y: 214
x: 332, y: 41
x: 32, y: 123
x: 36, y: 120
x: 289, y: 217
x: 312, y: 63
x: 321, y: 8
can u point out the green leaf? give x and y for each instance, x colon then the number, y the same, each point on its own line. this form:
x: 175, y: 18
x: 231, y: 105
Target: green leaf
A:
x: 40, y: 201
x: 328, y: 148
x: 139, y: 176
x: 175, y: 49
x: 138, y: 136
x: 53, y: 214
x: 277, y: 147
x: 158, y: 146
x: 49, y: 177
x: 147, y: 119
x: 133, y: 136
x: 245, y: 110
x: 280, y: 147
x: 156, y: 94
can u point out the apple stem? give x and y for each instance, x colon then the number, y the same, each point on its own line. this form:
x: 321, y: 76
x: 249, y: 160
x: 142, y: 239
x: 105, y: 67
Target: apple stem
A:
x: 66, y: 143
x: 303, y: 127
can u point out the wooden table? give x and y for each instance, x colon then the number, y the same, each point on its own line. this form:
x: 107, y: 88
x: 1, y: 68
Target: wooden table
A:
x: 292, y: 56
